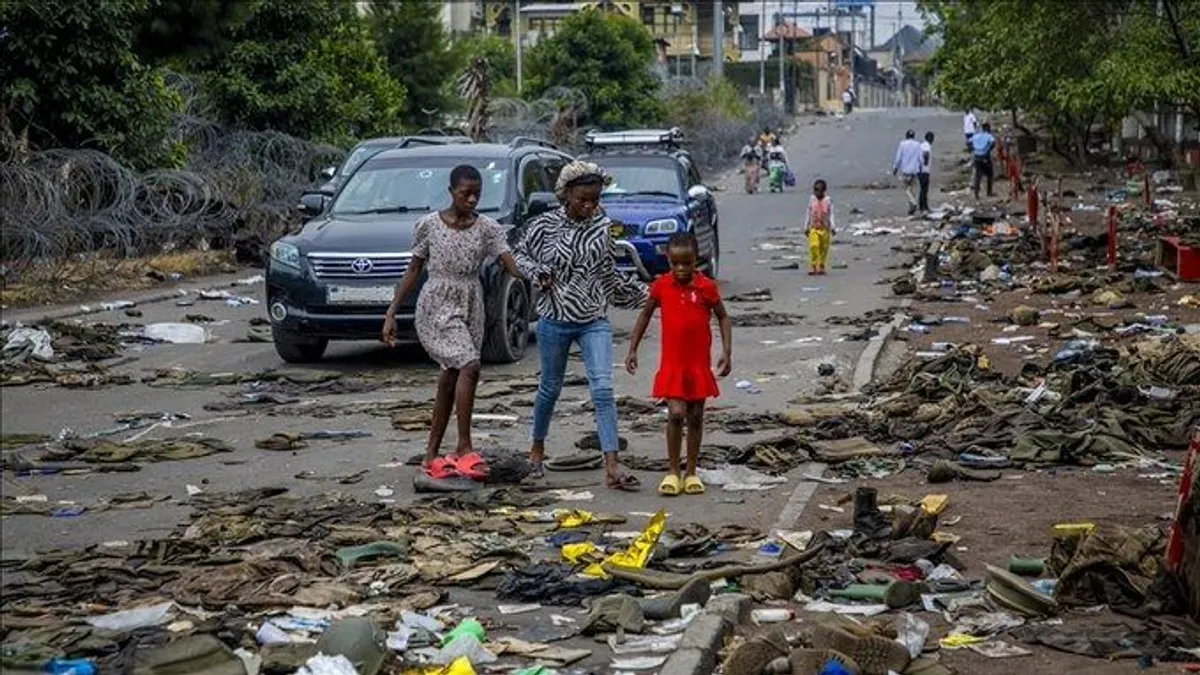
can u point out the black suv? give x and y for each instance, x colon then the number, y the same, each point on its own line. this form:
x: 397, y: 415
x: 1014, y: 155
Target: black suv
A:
x: 334, y: 279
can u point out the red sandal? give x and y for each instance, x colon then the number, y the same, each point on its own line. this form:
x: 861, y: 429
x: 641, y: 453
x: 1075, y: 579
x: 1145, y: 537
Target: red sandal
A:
x: 441, y: 468
x: 474, y: 466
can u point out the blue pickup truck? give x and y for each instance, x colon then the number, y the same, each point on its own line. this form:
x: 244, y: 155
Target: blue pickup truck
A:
x: 656, y: 192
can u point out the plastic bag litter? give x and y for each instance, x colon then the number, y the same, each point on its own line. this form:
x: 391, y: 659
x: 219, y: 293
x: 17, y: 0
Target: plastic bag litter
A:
x: 131, y: 619
x: 176, y: 333
x: 35, y: 342
x: 465, y: 645
x: 912, y: 632
x: 327, y: 665
x: 735, y: 478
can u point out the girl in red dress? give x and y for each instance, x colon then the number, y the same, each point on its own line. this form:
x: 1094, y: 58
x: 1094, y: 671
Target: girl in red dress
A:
x: 685, y: 378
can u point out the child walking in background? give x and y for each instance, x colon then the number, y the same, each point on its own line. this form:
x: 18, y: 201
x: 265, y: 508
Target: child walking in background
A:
x: 685, y: 378
x: 819, y: 227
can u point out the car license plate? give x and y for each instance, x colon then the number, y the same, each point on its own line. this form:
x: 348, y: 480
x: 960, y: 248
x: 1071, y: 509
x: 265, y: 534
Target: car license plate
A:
x: 360, y: 295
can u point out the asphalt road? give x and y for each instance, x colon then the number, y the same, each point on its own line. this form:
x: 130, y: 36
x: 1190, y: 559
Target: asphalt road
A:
x: 757, y: 232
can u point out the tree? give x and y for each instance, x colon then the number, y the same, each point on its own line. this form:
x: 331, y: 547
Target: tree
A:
x: 305, y: 67
x: 1036, y: 57
x: 175, y: 31
x: 69, y: 77
x: 501, y: 57
x: 413, y: 41
x: 609, y: 59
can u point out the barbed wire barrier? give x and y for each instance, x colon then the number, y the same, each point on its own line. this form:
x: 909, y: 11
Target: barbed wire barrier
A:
x: 239, y: 189
x: 235, y: 189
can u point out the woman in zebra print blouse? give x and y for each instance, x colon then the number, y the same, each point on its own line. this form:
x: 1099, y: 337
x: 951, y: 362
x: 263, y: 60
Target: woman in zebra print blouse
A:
x: 569, y: 252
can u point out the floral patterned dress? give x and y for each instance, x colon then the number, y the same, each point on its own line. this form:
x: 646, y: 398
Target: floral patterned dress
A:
x: 450, y: 310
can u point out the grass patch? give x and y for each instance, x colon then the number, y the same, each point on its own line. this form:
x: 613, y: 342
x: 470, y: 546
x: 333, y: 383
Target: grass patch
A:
x: 80, y: 280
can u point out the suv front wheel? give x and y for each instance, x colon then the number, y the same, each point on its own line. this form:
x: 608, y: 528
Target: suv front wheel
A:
x: 507, y: 331
x: 295, y: 348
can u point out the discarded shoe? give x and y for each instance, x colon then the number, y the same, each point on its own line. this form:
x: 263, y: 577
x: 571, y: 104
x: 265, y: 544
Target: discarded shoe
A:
x: 1015, y: 593
x: 580, y: 461
x: 753, y: 655
x: 874, y: 655
x: 868, y: 520
x: 666, y: 607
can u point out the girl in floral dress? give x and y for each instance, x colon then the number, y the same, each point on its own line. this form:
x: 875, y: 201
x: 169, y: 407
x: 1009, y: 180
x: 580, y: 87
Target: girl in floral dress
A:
x: 452, y: 245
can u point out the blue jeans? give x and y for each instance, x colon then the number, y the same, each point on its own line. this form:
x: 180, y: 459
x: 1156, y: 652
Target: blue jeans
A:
x: 595, y: 341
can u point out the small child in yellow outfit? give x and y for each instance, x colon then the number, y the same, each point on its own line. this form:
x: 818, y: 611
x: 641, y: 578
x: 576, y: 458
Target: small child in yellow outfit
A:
x: 819, y: 227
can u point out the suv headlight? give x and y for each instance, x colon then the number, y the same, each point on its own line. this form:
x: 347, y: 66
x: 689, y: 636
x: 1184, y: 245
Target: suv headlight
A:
x: 285, y: 254
x: 662, y: 226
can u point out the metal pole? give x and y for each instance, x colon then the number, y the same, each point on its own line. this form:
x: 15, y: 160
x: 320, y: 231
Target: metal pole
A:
x: 762, y: 53
x: 718, y: 68
x: 517, y: 33
x: 695, y: 35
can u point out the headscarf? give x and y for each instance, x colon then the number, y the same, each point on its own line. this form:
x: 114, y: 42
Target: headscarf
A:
x: 577, y: 173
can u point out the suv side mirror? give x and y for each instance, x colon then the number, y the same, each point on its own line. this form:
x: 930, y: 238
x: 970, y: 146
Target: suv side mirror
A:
x: 313, y: 203
x: 698, y: 192
x: 540, y: 202
x: 328, y: 173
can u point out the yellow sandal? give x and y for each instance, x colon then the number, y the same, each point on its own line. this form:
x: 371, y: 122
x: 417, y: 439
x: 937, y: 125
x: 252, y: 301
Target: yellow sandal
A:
x: 692, y: 485
x: 669, y: 487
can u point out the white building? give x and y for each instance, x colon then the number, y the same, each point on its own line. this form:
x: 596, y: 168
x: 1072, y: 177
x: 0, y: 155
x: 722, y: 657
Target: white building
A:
x: 461, y: 16
x: 860, y: 18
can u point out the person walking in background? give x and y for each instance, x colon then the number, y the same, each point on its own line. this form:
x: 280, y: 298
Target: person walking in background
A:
x: 751, y: 161
x: 970, y: 125
x: 908, y: 166
x: 923, y: 177
x: 848, y: 100
x: 689, y: 301
x: 568, y: 251
x: 982, y: 145
x: 819, y: 227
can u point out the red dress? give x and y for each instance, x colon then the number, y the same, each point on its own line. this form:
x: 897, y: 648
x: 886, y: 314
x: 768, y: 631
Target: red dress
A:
x: 685, y: 366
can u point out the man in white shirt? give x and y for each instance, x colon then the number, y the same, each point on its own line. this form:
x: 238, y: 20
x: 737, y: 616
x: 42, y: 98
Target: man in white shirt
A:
x: 847, y: 101
x: 908, y: 164
x: 923, y: 177
x: 970, y: 125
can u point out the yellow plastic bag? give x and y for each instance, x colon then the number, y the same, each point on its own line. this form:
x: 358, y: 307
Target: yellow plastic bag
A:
x: 578, y: 553
x: 573, y: 518
x: 638, y: 553
x: 935, y: 504
x: 959, y: 640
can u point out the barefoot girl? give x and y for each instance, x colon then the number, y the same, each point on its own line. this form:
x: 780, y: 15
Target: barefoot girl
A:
x: 685, y: 379
x: 452, y: 244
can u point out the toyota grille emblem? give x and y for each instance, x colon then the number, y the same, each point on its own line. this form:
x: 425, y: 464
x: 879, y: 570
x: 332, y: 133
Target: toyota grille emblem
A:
x: 361, y: 265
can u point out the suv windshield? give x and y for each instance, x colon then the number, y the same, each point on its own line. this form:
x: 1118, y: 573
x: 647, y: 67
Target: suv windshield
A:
x: 659, y: 178
x: 361, y: 154
x: 416, y: 184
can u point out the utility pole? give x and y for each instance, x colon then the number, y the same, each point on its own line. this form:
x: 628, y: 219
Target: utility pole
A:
x: 762, y: 53
x: 718, y: 68
x: 517, y: 33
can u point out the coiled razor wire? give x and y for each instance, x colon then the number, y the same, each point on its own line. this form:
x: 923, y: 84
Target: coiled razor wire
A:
x: 242, y: 186
x: 235, y: 185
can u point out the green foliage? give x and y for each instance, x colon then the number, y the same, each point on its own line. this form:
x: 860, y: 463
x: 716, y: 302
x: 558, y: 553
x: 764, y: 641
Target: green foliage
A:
x: 305, y: 67
x: 718, y: 98
x: 69, y: 77
x: 501, y: 56
x: 1069, y: 64
x: 607, y: 57
x: 174, y: 31
x: 414, y: 43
